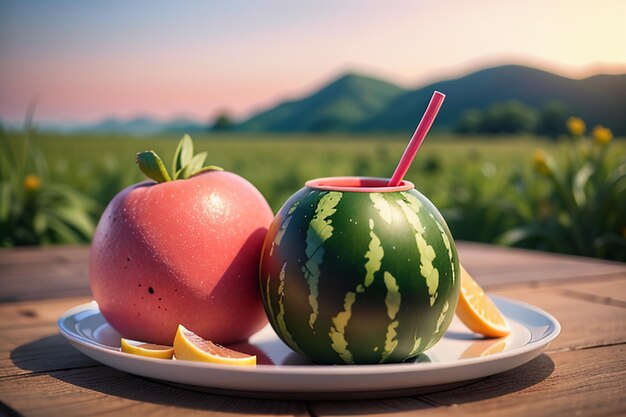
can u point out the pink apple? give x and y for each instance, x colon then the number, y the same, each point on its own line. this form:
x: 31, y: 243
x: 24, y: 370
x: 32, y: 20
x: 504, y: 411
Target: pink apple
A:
x: 183, y: 251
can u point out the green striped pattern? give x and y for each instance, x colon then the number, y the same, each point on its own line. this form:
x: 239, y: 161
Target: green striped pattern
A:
x: 359, y: 277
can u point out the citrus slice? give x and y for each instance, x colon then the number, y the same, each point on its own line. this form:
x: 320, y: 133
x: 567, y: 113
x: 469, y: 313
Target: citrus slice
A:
x: 191, y: 347
x: 477, y: 311
x: 147, y: 349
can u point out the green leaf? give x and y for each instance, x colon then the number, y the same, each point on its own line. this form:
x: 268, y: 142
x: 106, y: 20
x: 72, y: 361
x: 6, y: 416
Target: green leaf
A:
x: 206, y: 169
x: 194, y: 165
x: 580, y: 181
x: 5, y: 201
x: 182, y: 156
x: 515, y: 236
x: 75, y: 218
x: 61, y: 232
x: 40, y: 223
x: 608, y: 239
x: 152, y: 166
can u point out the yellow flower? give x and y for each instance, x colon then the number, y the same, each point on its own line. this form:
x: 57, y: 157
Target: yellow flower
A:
x: 602, y: 134
x: 540, y: 160
x: 576, y: 126
x: 32, y: 183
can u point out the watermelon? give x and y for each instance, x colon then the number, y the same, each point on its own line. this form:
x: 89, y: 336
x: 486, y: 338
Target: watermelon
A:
x: 353, y: 272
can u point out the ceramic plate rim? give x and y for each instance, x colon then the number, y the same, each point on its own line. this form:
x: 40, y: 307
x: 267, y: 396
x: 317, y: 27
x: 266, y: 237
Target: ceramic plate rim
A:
x: 552, y: 331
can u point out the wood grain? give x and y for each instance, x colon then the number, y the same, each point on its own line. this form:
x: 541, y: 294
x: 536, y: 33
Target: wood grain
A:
x: 611, y: 291
x: 37, y: 349
x: 29, y: 337
x: 598, y: 373
x: 496, y: 266
x: 582, y: 382
x: 584, y: 323
x: 108, y: 392
x: 48, y: 255
x: 582, y: 373
x: 65, y: 281
x: 43, y: 273
x: 58, y: 272
x: 36, y: 313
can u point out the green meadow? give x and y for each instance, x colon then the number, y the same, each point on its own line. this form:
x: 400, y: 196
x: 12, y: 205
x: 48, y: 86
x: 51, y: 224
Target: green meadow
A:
x: 489, y: 189
x: 278, y: 165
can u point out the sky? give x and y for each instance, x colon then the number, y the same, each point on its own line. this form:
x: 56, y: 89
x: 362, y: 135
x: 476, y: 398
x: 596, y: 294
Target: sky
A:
x: 87, y: 60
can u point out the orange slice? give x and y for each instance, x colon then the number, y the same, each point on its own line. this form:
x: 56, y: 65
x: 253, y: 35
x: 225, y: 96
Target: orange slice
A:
x: 147, y: 349
x: 191, y: 347
x: 477, y: 311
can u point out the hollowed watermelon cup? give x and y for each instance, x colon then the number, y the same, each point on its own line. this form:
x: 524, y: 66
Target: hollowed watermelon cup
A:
x: 356, y: 272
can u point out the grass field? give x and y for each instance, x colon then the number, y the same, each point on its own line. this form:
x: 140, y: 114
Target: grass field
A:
x: 484, y: 187
x: 280, y: 164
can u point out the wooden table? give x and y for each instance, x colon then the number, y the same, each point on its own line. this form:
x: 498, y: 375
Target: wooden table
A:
x: 582, y: 373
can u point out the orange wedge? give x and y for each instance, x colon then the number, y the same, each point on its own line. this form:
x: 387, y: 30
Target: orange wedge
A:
x: 477, y: 311
x: 147, y: 349
x: 191, y: 347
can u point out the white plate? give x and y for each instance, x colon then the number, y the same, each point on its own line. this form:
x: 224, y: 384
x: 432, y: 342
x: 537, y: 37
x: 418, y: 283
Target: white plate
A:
x: 460, y: 356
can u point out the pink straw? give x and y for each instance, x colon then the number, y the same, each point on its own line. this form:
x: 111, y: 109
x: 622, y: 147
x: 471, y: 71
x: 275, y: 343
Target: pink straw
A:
x: 418, y: 137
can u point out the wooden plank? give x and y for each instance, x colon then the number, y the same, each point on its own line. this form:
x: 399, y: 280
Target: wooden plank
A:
x: 53, y: 268
x: 29, y: 358
x: 36, y: 313
x: 43, y: 272
x: 43, y: 255
x: 27, y: 282
x: 65, y: 288
x: 582, y: 382
x: 498, y: 266
x: 551, y: 384
x: 30, y: 341
x: 559, y: 283
x: 403, y: 406
x: 584, y: 323
x: 37, y: 349
x: 608, y: 292
x: 52, y: 272
x: 108, y: 392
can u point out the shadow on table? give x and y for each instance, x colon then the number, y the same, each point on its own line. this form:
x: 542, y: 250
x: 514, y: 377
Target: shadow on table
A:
x: 53, y: 356
x: 514, y: 380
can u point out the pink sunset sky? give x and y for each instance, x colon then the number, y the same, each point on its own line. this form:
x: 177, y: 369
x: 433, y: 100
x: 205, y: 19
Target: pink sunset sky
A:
x: 88, y: 60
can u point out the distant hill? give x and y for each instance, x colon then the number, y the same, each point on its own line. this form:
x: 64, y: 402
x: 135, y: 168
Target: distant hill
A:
x: 341, y: 105
x: 182, y: 126
x: 138, y: 126
x: 359, y: 103
x: 599, y: 99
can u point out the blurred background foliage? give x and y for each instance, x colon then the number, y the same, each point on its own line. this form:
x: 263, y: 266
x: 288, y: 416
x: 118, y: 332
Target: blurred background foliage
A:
x: 564, y: 195
x: 36, y: 208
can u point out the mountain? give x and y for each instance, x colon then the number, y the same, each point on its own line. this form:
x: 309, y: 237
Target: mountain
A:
x: 138, y: 126
x: 359, y: 103
x: 342, y: 104
x: 182, y: 126
x: 600, y: 99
